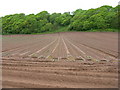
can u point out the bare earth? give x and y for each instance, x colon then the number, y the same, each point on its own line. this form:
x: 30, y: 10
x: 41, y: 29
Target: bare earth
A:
x: 61, y: 60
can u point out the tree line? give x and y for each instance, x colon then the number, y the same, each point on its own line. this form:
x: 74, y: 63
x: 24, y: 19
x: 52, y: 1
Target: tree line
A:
x: 104, y: 17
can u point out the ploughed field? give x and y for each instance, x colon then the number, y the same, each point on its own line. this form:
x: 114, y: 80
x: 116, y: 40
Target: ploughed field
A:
x: 61, y: 60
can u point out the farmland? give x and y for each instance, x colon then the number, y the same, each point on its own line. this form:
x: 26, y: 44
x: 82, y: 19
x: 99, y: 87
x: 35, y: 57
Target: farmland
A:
x: 60, y: 60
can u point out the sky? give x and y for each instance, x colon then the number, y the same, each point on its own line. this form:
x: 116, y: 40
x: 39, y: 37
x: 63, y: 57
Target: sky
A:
x: 8, y: 7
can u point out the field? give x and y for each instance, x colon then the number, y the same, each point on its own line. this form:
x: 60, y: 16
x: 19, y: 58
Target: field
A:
x: 60, y: 60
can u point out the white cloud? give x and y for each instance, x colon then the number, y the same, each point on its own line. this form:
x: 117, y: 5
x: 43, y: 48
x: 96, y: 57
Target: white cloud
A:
x: 35, y: 6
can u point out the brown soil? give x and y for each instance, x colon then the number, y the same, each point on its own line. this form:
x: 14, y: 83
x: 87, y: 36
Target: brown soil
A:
x: 61, y: 60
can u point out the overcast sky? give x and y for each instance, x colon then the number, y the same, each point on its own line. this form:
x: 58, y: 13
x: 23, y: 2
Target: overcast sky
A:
x: 35, y: 6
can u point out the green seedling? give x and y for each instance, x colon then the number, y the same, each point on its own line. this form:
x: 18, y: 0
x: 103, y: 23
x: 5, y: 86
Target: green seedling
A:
x: 41, y: 57
x: 95, y: 60
x: 89, y: 57
x: 78, y: 59
x: 34, y: 56
x: 104, y: 60
x: 63, y: 58
x: 55, y: 59
x: 50, y: 57
x: 71, y: 58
